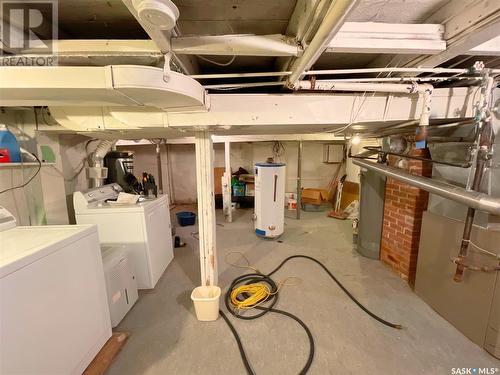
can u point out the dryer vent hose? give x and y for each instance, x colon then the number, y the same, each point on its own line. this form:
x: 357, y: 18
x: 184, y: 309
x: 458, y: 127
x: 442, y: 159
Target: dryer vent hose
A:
x: 100, y: 152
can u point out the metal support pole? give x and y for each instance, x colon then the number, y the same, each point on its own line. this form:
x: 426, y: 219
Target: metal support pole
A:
x: 299, y: 180
x: 171, y: 191
x: 482, y: 155
x: 226, y: 183
x: 206, y: 207
x: 158, y: 165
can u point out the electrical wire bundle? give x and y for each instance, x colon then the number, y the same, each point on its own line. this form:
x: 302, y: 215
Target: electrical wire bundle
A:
x: 259, y: 291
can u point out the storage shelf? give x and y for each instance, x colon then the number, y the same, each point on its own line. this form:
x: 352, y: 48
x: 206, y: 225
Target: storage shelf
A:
x: 21, y: 165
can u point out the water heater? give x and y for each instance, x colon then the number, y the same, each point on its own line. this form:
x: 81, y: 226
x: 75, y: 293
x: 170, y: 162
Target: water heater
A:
x: 269, y: 199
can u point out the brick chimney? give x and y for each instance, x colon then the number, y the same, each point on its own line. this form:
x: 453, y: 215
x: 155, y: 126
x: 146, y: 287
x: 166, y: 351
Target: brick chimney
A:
x: 403, y: 209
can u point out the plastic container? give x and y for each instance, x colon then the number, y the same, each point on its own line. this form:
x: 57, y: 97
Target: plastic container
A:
x: 206, y: 302
x: 9, y: 148
x: 186, y: 218
x: 239, y: 189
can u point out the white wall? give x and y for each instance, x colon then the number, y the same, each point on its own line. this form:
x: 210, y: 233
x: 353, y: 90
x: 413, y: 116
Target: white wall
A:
x: 27, y: 203
x: 352, y: 171
x: 43, y: 200
x: 315, y: 173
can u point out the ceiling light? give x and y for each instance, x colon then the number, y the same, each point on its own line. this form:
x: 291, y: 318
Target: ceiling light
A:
x: 159, y: 14
x: 355, y: 140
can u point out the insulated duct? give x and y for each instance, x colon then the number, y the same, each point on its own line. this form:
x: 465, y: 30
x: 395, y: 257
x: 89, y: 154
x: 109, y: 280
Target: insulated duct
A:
x: 97, y: 173
x: 473, y: 199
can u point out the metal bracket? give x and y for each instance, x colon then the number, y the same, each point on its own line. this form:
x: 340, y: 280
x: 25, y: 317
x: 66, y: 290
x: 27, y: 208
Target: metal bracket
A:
x: 465, y: 264
x: 166, y: 67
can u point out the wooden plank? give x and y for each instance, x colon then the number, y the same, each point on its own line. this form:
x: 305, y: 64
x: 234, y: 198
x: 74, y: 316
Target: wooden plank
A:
x: 218, y: 173
x: 107, y: 354
x: 206, y: 207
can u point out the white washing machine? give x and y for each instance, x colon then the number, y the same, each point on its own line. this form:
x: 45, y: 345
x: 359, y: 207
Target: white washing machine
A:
x: 144, y: 228
x: 54, y: 315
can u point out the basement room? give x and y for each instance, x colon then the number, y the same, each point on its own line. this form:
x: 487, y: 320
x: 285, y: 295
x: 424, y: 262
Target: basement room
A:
x: 249, y: 187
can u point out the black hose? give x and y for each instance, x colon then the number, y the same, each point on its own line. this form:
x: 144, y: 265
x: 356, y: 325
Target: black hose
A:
x: 373, y: 315
x: 273, y: 298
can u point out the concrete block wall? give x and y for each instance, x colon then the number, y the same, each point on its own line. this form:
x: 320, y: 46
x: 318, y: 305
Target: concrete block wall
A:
x: 403, y: 209
x: 182, y: 164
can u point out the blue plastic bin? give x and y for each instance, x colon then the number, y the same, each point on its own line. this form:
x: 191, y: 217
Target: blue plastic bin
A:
x: 186, y: 218
x: 9, y: 148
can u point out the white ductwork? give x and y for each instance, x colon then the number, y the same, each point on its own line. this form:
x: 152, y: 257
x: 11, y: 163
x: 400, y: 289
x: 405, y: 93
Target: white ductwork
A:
x: 114, y: 85
x: 159, y: 14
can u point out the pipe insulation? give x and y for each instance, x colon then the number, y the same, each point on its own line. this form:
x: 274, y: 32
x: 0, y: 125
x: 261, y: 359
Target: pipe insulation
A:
x: 474, y: 199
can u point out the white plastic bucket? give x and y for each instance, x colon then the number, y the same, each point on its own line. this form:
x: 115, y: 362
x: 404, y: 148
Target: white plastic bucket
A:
x: 206, y: 302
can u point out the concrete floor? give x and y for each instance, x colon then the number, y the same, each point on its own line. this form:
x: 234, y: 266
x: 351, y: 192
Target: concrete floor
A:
x: 166, y: 338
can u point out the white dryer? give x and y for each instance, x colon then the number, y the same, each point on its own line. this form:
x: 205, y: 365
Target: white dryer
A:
x: 144, y: 228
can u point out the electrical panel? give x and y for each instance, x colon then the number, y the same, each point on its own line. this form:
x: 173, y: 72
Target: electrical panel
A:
x: 333, y: 153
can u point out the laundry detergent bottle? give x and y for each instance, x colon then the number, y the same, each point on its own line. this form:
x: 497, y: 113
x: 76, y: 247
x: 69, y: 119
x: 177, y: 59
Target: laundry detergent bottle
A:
x: 9, y: 148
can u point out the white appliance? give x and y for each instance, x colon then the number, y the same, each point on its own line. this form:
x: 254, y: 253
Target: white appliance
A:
x: 54, y: 315
x: 121, y: 285
x: 269, y: 199
x: 144, y: 228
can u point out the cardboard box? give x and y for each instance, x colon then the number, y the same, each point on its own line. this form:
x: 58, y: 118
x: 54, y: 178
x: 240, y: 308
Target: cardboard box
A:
x: 314, y: 196
x: 250, y: 190
x: 350, y: 193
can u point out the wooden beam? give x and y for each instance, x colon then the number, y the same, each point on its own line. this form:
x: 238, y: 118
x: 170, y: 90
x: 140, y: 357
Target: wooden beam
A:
x: 206, y: 207
x: 489, y: 48
x: 332, y: 22
x: 305, y: 19
x: 107, y: 354
x: 464, y: 31
x: 328, y: 137
x: 372, y: 37
x: 353, y: 37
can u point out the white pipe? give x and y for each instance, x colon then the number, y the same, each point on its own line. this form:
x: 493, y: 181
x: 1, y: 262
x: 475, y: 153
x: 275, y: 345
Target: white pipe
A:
x: 229, y: 86
x: 337, y: 71
x: 426, y: 104
x: 334, y: 19
x: 388, y: 70
x: 409, y: 88
x: 401, y: 79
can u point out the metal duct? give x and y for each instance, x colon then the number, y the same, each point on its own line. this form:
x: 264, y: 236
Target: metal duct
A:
x: 474, y: 199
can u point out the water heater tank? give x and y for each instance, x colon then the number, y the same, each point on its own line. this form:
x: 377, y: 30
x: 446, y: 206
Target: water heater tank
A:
x: 269, y: 199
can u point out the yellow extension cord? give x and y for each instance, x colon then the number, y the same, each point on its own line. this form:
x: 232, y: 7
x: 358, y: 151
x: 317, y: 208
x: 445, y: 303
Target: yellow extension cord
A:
x: 256, y: 293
